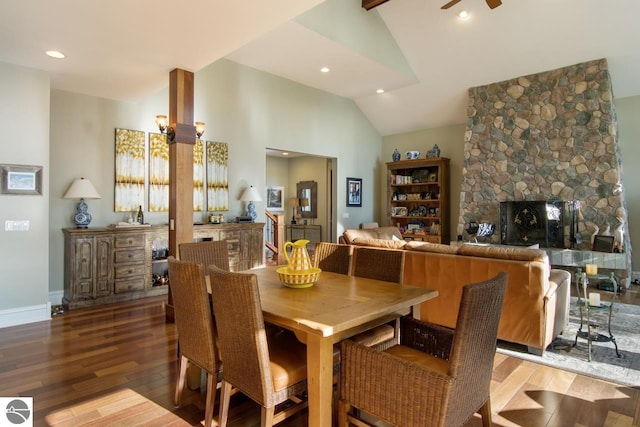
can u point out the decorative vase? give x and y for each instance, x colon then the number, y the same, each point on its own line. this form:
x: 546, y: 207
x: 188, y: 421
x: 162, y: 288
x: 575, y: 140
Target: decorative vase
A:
x: 396, y: 155
x: 434, y: 152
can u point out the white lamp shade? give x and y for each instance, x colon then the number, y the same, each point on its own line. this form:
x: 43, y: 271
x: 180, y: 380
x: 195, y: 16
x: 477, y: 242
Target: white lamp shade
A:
x: 251, y: 195
x: 81, y: 189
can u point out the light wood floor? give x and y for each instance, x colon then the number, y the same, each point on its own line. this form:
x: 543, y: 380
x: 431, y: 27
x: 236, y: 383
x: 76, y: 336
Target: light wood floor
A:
x: 89, y: 354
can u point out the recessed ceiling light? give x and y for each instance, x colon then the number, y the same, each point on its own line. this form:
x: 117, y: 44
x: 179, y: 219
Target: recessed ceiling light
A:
x: 325, y: 69
x: 380, y: 91
x: 463, y: 14
x: 55, y: 54
x: 285, y: 153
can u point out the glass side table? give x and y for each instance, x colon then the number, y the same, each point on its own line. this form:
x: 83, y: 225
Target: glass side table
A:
x: 590, y: 332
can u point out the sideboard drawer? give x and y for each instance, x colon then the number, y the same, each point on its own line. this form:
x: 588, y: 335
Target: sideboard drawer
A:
x: 133, y: 255
x: 130, y: 240
x: 134, y: 284
x: 129, y: 270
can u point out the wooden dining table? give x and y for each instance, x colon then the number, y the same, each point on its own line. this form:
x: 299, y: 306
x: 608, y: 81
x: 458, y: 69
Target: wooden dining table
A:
x: 336, y: 307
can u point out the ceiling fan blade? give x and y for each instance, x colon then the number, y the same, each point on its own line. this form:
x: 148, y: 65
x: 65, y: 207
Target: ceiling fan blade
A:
x: 451, y: 3
x: 493, y: 3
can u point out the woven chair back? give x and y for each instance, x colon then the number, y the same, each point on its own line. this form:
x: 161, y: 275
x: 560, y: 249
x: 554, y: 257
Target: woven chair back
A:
x: 194, y: 319
x: 242, y: 336
x: 380, y: 264
x: 474, y: 343
x: 333, y: 257
x: 208, y: 253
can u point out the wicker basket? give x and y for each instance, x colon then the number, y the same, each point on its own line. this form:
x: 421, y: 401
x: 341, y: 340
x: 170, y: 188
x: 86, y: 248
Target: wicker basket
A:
x: 298, y: 279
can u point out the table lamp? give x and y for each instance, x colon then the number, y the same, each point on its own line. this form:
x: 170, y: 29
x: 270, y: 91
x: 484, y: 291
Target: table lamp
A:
x: 250, y: 195
x: 295, y: 202
x: 81, y: 189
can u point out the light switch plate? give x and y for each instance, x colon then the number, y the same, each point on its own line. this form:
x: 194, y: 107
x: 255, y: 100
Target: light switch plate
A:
x: 19, y: 225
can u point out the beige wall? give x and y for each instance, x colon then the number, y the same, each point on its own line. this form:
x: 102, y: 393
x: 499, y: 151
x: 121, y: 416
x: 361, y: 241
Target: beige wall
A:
x: 24, y: 260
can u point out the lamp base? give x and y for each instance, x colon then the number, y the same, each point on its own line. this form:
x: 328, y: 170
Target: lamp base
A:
x: 82, y: 218
x: 251, y: 211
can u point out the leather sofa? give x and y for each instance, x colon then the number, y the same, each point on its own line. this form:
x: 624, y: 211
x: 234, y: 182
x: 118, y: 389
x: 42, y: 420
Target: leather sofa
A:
x: 536, y: 304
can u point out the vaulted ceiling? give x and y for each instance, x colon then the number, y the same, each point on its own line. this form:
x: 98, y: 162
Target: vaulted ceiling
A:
x: 423, y: 57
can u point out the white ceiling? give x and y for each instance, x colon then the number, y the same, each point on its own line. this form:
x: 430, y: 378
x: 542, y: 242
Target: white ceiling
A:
x: 124, y: 50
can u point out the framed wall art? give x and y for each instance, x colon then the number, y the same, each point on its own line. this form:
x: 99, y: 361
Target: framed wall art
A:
x: 354, y: 192
x: 217, y: 176
x: 158, y: 173
x: 199, y: 176
x: 275, y: 201
x: 130, y: 168
x: 21, y: 179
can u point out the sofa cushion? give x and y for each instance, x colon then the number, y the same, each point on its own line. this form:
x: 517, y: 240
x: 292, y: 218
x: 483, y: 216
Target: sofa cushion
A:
x: 386, y: 233
x: 379, y: 243
x: 415, y: 245
x: 509, y: 253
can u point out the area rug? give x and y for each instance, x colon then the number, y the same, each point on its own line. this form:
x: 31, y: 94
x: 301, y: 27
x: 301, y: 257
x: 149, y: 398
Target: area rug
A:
x: 605, y: 365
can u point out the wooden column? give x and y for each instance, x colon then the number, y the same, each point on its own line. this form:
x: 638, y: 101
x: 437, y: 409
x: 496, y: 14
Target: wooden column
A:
x: 180, y: 164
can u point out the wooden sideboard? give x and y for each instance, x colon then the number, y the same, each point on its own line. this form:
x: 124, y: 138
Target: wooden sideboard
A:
x: 106, y: 264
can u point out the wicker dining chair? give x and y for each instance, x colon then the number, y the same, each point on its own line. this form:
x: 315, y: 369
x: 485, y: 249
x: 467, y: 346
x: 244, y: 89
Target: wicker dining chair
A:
x: 446, y: 373
x: 214, y: 252
x: 333, y: 257
x: 196, y: 332
x: 270, y: 369
x: 379, y: 264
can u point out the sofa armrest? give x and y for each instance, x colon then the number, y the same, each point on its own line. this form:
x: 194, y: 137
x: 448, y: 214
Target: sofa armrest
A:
x: 560, y: 287
x: 559, y: 281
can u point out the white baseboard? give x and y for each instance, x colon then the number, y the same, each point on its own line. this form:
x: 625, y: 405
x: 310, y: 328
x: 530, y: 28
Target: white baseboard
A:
x: 23, y: 315
x: 55, y: 297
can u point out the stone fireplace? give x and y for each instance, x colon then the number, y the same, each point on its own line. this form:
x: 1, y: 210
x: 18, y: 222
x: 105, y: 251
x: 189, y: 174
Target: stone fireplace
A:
x: 549, y: 137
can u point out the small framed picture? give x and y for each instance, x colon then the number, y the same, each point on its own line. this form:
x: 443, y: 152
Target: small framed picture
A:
x: 275, y: 202
x: 413, y: 227
x: 21, y: 179
x: 354, y: 192
x: 603, y: 243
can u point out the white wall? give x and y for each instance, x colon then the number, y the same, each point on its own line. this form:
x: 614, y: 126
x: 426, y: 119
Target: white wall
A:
x: 248, y: 109
x: 24, y: 260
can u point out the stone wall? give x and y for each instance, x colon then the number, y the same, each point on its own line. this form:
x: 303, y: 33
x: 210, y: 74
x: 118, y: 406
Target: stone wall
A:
x: 543, y: 136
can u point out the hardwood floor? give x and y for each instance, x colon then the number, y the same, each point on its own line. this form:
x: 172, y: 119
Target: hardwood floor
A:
x: 90, y: 354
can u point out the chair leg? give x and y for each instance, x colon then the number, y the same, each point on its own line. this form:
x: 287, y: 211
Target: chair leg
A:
x: 225, y: 398
x: 266, y: 420
x: 211, y: 397
x: 343, y: 409
x: 485, y: 413
x: 182, y: 374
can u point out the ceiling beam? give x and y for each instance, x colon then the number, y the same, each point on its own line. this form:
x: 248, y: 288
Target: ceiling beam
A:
x: 370, y: 4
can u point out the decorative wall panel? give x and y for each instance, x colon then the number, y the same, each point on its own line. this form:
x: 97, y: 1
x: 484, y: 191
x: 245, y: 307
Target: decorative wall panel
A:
x: 199, y: 176
x: 129, y: 170
x: 158, y: 173
x: 217, y: 176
